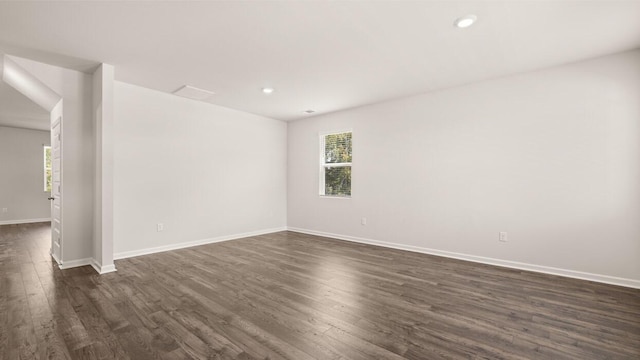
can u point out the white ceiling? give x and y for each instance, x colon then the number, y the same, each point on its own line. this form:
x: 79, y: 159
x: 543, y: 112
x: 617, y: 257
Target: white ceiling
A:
x: 16, y: 110
x: 325, y: 56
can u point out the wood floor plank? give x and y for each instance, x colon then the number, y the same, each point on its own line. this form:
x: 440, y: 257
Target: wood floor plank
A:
x: 50, y: 342
x: 295, y: 296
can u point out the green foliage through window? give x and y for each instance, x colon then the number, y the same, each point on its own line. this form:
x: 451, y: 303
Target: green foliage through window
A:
x: 337, y: 148
x: 337, y: 181
x: 47, y: 168
x: 336, y: 164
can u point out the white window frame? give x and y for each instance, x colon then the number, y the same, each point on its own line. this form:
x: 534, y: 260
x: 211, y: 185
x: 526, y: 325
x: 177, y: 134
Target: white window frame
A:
x: 324, y: 165
x: 44, y: 167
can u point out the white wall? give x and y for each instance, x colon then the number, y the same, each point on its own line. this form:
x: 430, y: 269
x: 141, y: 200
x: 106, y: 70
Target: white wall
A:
x: 77, y: 155
x: 552, y: 157
x: 22, y: 175
x: 203, y: 171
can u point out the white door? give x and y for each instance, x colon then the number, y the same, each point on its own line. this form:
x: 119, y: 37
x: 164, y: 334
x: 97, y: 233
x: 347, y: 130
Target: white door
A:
x: 56, y: 191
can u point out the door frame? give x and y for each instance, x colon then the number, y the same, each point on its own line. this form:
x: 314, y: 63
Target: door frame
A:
x: 60, y: 197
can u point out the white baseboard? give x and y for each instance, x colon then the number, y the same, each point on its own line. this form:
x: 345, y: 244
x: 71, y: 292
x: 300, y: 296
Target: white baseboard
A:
x: 182, y: 245
x: 484, y: 260
x: 74, y: 263
x: 102, y: 269
x: 84, y: 262
x: 55, y: 258
x: 24, y: 221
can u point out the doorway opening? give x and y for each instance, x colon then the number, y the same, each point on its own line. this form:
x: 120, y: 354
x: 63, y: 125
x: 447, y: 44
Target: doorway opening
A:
x: 28, y: 92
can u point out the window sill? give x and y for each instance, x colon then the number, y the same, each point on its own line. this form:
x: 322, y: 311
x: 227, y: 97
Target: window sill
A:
x: 334, y: 197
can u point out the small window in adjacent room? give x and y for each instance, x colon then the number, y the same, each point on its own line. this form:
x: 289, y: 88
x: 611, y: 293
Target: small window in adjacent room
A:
x: 335, y: 164
x: 47, y: 168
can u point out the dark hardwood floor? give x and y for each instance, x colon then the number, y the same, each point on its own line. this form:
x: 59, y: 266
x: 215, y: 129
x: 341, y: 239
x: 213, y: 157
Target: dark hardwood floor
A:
x: 293, y: 296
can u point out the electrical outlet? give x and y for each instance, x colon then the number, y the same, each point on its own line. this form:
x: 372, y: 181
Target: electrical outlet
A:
x: 503, y: 236
x: 363, y: 221
x: 4, y: 210
x: 160, y: 227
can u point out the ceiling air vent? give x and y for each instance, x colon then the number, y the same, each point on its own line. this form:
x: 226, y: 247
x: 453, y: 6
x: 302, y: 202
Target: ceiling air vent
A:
x: 194, y: 93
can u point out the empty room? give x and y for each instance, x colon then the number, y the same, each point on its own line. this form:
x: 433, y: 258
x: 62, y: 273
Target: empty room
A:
x: 340, y: 180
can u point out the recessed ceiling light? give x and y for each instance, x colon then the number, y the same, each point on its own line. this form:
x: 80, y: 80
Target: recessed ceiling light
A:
x: 268, y: 90
x: 309, y: 111
x: 465, y: 21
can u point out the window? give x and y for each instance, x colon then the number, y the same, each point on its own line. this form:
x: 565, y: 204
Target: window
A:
x: 47, y: 168
x: 335, y: 164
